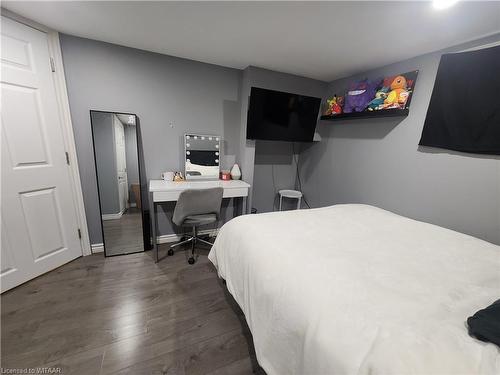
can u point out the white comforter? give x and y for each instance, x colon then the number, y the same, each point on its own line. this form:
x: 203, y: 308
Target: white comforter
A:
x: 353, y: 289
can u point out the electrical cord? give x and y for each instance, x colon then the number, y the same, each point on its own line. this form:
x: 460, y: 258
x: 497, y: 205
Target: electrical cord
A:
x: 274, y: 186
x: 296, y: 159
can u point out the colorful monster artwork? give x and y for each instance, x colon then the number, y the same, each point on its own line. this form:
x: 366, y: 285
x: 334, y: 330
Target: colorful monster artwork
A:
x: 338, y: 108
x: 359, y: 95
x: 400, y: 89
x: 378, y: 102
x: 398, y: 93
x: 330, y: 103
x: 390, y: 93
x: 334, y: 105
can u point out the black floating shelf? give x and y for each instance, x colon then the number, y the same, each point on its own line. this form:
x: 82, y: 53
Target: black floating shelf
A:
x: 367, y: 114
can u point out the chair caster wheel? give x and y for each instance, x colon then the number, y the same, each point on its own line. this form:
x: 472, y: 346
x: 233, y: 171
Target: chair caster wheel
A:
x: 191, y: 260
x: 170, y: 252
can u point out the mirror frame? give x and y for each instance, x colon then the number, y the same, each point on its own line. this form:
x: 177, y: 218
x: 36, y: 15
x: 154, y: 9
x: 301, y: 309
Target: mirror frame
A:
x: 145, y: 210
x: 185, y: 156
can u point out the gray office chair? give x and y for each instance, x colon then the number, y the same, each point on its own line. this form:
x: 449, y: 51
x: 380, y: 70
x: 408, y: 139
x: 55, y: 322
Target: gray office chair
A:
x: 194, y: 208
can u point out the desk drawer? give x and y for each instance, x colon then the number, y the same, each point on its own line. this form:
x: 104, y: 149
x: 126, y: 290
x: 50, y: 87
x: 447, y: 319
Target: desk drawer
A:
x: 172, y: 196
x: 236, y: 192
x: 166, y: 196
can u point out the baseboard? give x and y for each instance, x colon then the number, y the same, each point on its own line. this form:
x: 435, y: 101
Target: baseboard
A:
x: 168, y: 238
x: 97, y: 248
x: 112, y: 216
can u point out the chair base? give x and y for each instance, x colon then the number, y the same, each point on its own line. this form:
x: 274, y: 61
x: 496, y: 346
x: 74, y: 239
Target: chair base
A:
x: 193, y: 240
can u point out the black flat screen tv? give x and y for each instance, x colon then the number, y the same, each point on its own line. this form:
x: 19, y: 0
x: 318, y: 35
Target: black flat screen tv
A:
x: 281, y: 116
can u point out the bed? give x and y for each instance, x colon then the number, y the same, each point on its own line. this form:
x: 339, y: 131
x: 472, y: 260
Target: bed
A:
x: 354, y: 289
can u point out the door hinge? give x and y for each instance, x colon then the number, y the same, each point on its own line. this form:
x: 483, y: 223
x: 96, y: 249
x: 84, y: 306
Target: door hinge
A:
x: 52, y: 65
x: 67, y: 157
x: 79, y: 233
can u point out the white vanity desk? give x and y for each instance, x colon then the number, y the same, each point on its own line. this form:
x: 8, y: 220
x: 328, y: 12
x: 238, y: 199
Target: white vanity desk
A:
x: 169, y: 191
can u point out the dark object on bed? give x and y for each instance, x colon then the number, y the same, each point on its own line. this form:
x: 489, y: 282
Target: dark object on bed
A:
x: 485, y: 324
x: 464, y: 112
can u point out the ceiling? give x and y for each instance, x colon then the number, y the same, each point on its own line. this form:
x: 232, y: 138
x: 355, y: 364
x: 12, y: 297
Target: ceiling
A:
x: 322, y: 40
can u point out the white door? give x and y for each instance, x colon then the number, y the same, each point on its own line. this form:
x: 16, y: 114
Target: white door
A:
x: 39, y: 217
x: 121, y: 163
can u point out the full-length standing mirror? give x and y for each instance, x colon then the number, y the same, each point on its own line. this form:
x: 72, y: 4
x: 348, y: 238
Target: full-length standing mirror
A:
x: 118, y: 170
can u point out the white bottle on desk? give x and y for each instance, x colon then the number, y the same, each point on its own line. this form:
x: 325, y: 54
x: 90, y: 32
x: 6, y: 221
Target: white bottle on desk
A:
x: 235, y: 172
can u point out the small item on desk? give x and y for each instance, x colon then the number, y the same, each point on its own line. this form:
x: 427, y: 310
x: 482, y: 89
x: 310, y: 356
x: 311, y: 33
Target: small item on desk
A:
x: 236, y: 172
x: 167, y: 176
x: 178, y: 177
x: 225, y: 175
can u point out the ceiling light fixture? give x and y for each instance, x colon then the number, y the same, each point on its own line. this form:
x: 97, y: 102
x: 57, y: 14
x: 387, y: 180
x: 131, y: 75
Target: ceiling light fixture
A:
x: 443, y: 4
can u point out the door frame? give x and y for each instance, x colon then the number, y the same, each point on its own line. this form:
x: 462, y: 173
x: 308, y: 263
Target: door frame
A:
x: 66, y: 123
x: 126, y: 194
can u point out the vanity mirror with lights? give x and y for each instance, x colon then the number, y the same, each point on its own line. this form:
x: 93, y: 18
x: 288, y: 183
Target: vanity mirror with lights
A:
x: 202, y: 157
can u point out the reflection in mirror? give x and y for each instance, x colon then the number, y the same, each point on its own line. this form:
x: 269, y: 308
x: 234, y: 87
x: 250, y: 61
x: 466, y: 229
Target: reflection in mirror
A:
x: 202, y: 155
x: 117, y: 167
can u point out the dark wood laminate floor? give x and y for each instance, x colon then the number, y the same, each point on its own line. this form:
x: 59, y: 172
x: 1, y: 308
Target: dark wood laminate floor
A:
x: 125, y: 315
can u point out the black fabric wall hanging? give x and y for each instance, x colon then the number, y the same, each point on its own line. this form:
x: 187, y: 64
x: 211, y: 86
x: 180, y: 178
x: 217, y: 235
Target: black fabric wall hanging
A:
x: 464, y: 112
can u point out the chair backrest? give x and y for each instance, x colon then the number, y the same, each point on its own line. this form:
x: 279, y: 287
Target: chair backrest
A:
x: 197, y: 202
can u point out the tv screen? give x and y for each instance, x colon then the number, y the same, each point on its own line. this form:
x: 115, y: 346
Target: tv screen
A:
x: 280, y: 116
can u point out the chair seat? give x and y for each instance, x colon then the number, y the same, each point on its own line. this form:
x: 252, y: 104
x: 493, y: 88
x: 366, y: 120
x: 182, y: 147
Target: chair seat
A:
x: 199, y: 219
x: 290, y: 193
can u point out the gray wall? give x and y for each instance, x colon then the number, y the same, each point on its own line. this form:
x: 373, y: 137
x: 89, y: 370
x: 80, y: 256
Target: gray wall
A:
x: 105, y: 154
x: 269, y: 165
x: 159, y: 89
x: 379, y: 162
x: 132, y: 159
x: 275, y: 169
x: 375, y: 162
